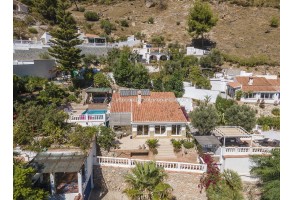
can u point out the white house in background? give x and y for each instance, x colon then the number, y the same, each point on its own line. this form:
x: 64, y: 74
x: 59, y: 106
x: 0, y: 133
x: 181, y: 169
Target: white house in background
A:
x: 255, y: 89
x: 187, y: 103
x: 196, y: 52
x: 199, y: 94
x: 148, y: 54
x: 68, y: 171
x: 237, y: 146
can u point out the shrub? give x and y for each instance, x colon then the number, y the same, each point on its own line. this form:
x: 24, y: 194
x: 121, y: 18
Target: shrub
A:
x: 251, y: 61
x: 29, y: 20
x: 71, y: 88
x: 178, y: 23
x: 272, y: 122
x: 32, y: 30
x: 107, y: 26
x: 262, y: 104
x: 152, y: 144
x: 82, y: 9
x: 274, y: 22
x: 91, y: 16
x: 151, y: 20
x: 177, y: 145
x: 188, y: 144
x: 44, y: 56
x: 238, y: 94
x: 276, y: 111
x: 124, y: 23
x: 71, y: 98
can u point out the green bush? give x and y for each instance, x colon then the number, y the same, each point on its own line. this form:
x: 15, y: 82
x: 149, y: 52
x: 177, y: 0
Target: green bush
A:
x: 272, y: 122
x: 151, y: 20
x: 188, y: 144
x: 107, y: 26
x: 71, y: 88
x: 124, y: 23
x: 274, y: 22
x: 177, y: 145
x: 33, y: 30
x: 44, y: 56
x: 82, y: 9
x: 250, y: 62
x: 29, y: 20
x: 91, y: 16
x: 238, y: 94
x: 276, y: 111
x: 152, y: 144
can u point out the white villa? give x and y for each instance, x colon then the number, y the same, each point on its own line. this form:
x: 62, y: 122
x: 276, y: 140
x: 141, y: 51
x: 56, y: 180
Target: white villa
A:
x: 148, y: 54
x: 196, y: 52
x: 237, y: 145
x: 147, y: 114
x: 255, y: 89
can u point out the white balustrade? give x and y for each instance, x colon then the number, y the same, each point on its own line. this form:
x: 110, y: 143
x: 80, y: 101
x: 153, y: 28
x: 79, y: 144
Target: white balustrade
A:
x: 87, y: 117
x: 246, y: 150
x: 172, y: 166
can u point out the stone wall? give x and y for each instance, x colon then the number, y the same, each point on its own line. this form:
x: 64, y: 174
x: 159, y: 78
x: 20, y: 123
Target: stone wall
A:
x: 109, y: 180
x: 33, y: 54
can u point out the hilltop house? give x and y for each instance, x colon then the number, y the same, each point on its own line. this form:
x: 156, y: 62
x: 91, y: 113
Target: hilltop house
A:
x: 147, y: 114
x: 196, y: 52
x: 148, y: 54
x: 255, y: 89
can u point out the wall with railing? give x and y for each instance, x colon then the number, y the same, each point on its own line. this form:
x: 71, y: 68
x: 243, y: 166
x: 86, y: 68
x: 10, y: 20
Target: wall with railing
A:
x: 170, y: 166
x: 246, y: 150
x: 86, y: 117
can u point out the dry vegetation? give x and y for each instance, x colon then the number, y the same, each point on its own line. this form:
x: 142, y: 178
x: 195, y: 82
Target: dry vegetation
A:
x: 240, y: 31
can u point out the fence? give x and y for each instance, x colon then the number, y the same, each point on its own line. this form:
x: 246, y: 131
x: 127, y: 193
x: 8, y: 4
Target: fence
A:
x: 246, y: 150
x: 170, y: 166
x: 87, y: 118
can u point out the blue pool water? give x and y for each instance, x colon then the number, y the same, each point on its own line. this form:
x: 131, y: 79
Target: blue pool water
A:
x: 94, y: 112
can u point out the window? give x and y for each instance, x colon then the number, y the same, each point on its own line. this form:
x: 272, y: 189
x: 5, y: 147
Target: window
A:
x: 91, y: 40
x: 250, y: 96
x: 142, y: 130
x: 267, y: 95
x: 159, y: 130
x: 176, y: 129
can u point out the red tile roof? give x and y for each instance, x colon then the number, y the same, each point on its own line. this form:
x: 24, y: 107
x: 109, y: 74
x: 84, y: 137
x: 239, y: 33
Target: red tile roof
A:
x: 158, y: 107
x: 259, y: 84
x: 234, y: 84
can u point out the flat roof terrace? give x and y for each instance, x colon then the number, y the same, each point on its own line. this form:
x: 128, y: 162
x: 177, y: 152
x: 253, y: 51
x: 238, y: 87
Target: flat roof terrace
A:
x: 230, y: 131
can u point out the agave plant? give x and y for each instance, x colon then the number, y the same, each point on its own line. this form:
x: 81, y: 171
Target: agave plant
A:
x: 146, y: 181
x: 152, y: 144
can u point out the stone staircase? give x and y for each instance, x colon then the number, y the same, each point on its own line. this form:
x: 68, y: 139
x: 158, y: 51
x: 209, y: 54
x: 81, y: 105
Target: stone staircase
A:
x: 165, y: 150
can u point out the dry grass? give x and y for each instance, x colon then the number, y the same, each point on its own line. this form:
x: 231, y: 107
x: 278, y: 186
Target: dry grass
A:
x: 240, y: 31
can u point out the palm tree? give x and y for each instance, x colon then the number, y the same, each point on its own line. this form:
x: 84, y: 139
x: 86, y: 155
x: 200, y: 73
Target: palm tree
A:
x: 146, y: 182
x: 267, y: 168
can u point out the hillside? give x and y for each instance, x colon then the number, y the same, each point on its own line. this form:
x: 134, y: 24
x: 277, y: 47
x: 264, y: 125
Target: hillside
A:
x: 240, y: 31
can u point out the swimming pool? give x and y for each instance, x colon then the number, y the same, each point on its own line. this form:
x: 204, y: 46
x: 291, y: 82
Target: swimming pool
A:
x: 94, y: 112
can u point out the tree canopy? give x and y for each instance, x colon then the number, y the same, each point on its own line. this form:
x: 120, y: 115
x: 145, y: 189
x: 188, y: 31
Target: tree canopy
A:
x: 242, y: 116
x: 267, y: 168
x: 100, y: 80
x: 83, y: 136
x: 146, y: 181
x: 106, y: 138
x: 204, y: 118
x: 201, y: 19
x: 22, y: 184
x: 65, y: 40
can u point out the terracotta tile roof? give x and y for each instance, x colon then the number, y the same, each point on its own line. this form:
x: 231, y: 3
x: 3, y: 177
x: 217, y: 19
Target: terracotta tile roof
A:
x: 259, y: 84
x: 91, y: 35
x: 234, y: 84
x: 158, y: 107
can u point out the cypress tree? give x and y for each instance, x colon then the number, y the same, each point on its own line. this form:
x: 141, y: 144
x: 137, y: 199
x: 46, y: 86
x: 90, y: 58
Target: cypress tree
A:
x: 65, y: 40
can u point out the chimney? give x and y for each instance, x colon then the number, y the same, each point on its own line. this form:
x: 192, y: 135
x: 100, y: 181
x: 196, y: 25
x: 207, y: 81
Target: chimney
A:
x: 250, y: 80
x: 139, y: 97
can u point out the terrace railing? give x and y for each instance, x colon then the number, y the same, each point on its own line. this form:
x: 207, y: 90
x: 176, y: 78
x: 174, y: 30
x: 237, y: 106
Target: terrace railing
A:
x: 246, y: 150
x: 74, y: 118
x: 170, y: 166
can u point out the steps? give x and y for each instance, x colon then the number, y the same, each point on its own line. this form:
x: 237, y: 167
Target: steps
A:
x: 165, y: 150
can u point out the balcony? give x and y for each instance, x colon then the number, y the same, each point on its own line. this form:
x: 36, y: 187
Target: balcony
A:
x: 86, y: 118
x: 246, y: 150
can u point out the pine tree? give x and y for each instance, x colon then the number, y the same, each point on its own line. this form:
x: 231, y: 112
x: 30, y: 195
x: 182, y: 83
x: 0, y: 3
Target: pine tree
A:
x: 65, y: 39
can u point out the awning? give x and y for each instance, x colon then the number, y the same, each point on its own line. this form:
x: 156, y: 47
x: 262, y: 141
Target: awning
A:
x: 99, y: 90
x: 46, y: 162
